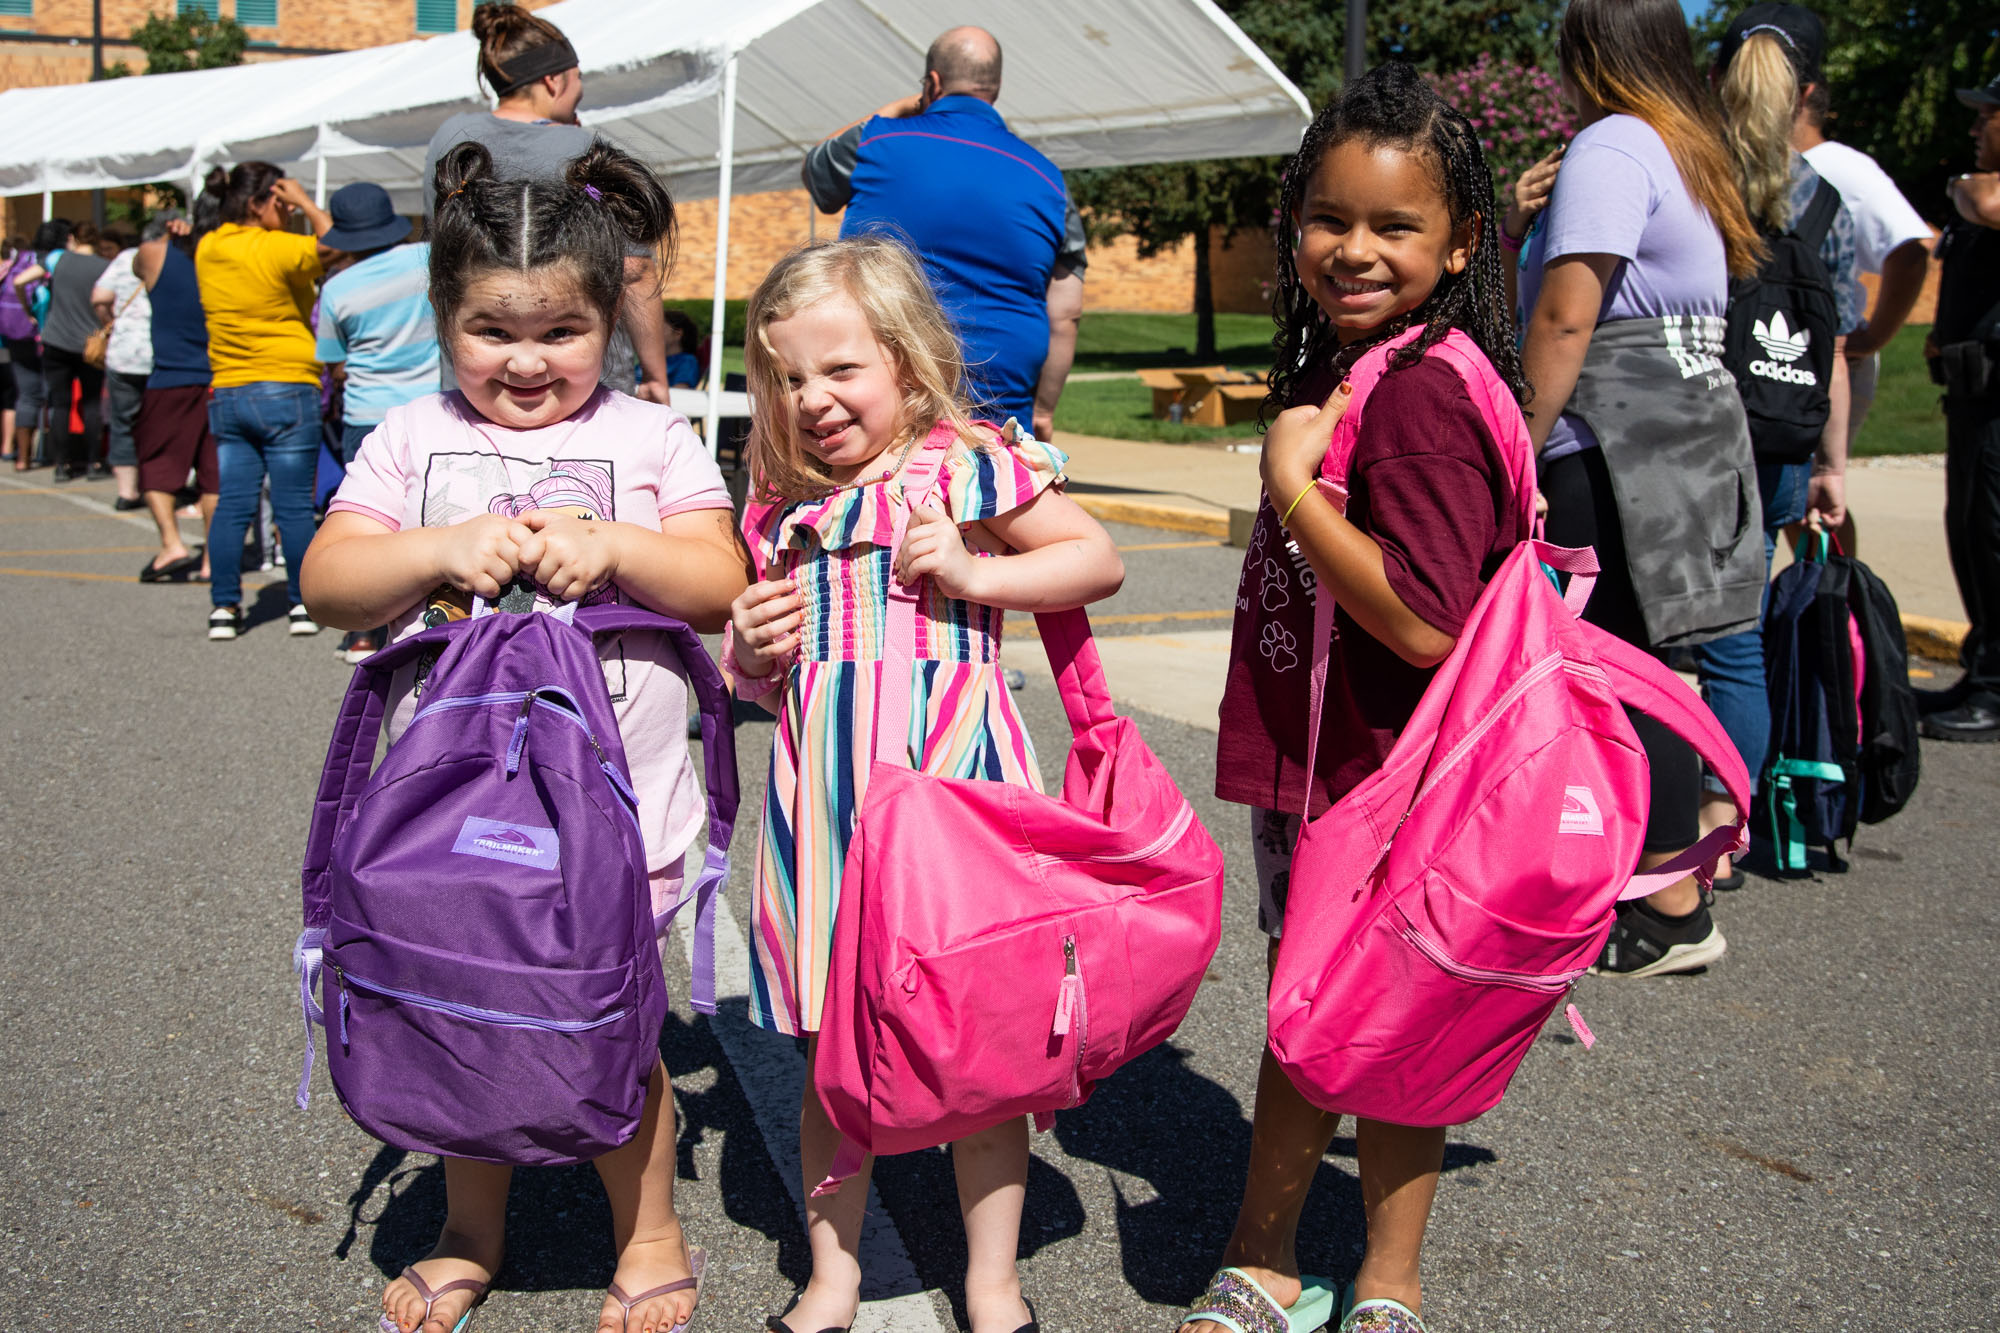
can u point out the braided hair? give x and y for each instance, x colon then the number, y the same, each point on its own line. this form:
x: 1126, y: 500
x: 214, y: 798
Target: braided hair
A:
x: 606, y: 206
x: 1392, y: 105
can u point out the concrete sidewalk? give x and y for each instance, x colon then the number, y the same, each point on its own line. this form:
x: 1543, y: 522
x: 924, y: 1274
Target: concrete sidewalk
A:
x: 1898, y: 505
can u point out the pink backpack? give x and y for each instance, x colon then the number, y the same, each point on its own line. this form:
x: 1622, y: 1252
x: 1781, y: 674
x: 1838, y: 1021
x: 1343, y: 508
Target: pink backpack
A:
x: 1442, y: 909
x: 997, y: 950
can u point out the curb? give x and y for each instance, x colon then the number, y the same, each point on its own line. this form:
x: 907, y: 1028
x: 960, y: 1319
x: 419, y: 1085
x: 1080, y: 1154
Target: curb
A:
x: 1938, y: 640
x: 1143, y: 513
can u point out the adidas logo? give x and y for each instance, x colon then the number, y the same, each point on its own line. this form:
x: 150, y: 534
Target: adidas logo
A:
x: 1777, y: 338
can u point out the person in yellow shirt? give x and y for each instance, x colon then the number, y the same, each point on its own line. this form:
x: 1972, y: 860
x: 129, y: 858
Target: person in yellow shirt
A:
x: 258, y: 281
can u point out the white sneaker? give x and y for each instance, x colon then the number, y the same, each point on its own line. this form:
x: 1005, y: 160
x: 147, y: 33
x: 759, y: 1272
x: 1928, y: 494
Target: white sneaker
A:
x: 302, y: 621
x: 225, y: 623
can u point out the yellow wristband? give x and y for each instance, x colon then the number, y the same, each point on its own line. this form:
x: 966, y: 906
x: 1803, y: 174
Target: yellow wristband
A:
x: 1286, y: 517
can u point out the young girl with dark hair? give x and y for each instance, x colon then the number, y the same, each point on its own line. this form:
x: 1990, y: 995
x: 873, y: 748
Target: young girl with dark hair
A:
x: 532, y: 471
x: 1388, y: 213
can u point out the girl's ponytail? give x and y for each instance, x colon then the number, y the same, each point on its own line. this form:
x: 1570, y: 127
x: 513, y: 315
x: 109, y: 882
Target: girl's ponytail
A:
x: 462, y: 165
x: 624, y: 187
x: 1760, y: 96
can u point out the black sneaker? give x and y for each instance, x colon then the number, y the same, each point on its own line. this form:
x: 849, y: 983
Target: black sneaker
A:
x: 301, y: 621
x: 225, y: 623
x: 1643, y: 944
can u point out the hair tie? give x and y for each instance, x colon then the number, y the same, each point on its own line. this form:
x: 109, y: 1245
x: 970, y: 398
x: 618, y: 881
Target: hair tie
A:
x: 596, y: 195
x: 454, y: 194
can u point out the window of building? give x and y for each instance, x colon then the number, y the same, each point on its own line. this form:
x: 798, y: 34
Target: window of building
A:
x: 212, y: 8
x: 257, y: 13
x: 23, y: 8
x: 437, y: 15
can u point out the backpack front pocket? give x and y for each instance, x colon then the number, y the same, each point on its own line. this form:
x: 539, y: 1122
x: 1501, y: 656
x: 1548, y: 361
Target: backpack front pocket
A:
x: 469, y: 1058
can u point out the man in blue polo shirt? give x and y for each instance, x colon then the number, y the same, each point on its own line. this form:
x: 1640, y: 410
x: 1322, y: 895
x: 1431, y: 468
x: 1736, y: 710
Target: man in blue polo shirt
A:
x: 991, y: 217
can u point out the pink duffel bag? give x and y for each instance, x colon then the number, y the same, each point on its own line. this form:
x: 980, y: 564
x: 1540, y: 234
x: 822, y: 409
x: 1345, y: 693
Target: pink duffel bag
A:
x: 998, y: 951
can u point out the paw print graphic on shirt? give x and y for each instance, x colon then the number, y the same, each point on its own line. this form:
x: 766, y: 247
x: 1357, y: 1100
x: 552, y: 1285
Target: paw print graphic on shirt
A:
x: 1280, y: 646
x: 1274, y: 593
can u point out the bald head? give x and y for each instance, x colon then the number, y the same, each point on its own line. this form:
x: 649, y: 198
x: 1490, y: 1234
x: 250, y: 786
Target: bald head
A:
x: 965, y: 60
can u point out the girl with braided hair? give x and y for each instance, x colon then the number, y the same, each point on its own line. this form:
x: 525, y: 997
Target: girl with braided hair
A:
x: 1388, y: 215
x: 532, y: 472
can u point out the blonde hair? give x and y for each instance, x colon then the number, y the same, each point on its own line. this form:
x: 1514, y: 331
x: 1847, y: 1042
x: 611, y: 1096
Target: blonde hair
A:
x: 1760, y: 98
x: 886, y: 282
x: 1634, y: 57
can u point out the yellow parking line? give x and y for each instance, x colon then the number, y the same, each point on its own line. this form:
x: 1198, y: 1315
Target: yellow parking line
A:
x: 79, y: 550
x: 1172, y: 546
x: 27, y: 490
x: 78, y: 575
x: 1134, y: 618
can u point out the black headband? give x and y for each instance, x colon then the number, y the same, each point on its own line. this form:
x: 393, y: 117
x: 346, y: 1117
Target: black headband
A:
x: 552, y: 57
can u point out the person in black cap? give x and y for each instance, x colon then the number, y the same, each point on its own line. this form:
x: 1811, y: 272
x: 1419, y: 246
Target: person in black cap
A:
x: 533, y: 134
x: 1965, y: 358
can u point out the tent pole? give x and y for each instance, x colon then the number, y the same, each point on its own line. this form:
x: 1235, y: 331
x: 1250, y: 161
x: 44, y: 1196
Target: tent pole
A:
x: 48, y: 205
x: 319, y: 169
x: 718, y: 322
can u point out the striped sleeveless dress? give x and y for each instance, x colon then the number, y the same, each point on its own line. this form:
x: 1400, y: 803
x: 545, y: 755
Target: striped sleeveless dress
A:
x: 963, y: 721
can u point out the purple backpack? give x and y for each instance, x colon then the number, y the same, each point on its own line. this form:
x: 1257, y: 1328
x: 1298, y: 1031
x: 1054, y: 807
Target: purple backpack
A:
x: 479, y: 907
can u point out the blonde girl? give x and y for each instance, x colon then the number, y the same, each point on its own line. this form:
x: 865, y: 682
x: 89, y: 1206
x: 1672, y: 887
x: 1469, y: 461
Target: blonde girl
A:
x: 856, y: 378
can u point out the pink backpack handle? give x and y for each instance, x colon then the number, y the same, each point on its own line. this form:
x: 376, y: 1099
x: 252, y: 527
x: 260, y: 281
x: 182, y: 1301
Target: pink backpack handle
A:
x: 1640, y: 680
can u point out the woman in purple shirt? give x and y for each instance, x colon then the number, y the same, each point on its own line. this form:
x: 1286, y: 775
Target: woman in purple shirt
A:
x: 1645, y: 454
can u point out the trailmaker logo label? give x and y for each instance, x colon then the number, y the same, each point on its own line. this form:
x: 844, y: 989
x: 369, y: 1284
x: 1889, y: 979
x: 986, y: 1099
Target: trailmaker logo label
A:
x: 497, y: 840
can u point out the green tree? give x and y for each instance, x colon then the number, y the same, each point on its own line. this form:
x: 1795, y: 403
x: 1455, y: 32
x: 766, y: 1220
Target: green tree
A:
x: 1892, y: 67
x: 188, y: 39
x: 1161, y: 206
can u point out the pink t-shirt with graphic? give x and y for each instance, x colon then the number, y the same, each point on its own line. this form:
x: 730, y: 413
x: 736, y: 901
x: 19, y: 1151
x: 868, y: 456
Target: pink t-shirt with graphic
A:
x: 436, y: 461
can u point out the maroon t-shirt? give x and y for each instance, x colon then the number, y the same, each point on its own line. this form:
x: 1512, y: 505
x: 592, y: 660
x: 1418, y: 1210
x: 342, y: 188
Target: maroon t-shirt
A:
x: 1428, y: 484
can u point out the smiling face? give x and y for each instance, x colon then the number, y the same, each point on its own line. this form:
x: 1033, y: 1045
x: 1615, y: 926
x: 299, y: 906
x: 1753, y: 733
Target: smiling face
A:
x: 527, y: 347
x: 1374, y: 236
x: 847, y: 392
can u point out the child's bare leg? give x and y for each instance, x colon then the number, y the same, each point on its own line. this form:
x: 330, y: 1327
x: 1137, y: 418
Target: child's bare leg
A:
x: 992, y: 1169
x: 1288, y: 1137
x: 1399, y: 1177
x: 470, y: 1246
x: 639, y: 1181
x: 833, y: 1221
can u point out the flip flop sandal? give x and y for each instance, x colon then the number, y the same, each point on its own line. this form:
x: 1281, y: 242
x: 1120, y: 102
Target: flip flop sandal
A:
x: 1239, y: 1303
x: 415, y: 1279
x: 174, y: 571
x: 697, y: 1260
x: 1378, y: 1314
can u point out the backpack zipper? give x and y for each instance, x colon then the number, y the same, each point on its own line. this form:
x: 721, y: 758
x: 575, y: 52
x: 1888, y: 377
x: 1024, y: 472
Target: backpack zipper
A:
x: 1555, y: 983
x: 1547, y: 666
x: 1072, y: 1013
x: 470, y: 1012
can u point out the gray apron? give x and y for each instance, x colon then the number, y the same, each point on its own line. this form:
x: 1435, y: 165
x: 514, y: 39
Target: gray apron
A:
x: 1677, y: 446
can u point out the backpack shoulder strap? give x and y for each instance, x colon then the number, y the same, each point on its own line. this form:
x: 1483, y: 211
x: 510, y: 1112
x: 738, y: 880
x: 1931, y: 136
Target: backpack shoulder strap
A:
x: 718, y: 759
x: 1812, y: 225
x: 1641, y: 681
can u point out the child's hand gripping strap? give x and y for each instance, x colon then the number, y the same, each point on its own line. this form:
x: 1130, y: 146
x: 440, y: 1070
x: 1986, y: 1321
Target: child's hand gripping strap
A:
x: 718, y: 755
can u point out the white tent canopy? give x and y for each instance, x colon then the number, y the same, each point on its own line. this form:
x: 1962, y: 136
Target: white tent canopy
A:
x: 717, y: 98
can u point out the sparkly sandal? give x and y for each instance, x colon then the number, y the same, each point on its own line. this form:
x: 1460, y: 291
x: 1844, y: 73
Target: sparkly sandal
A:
x: 697, y: 1262
x: 1378, y: 1314
x: 1239, y: 1303
x: 430, y: 1298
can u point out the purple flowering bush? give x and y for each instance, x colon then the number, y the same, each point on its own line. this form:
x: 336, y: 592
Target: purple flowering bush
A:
x: 1517, y: 109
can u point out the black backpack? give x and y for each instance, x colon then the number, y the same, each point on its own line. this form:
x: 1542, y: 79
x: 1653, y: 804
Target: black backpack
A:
x: 1842, y: 751
x: 1782, y: 324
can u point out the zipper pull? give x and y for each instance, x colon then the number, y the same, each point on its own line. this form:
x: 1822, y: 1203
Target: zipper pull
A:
x: 518, y: 742
x: 1581, y: 1028
x: 1066, y: 997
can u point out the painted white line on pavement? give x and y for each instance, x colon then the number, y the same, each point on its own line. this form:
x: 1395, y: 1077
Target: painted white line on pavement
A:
x: 83, y: 500
x: 773, y: 1075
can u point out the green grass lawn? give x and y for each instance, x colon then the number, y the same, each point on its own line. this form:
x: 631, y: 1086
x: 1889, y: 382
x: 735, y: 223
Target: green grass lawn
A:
x: 1904, y: 420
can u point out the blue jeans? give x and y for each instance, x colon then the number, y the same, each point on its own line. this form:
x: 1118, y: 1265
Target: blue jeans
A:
x: 262, y: 428
x: 1731, y: 669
